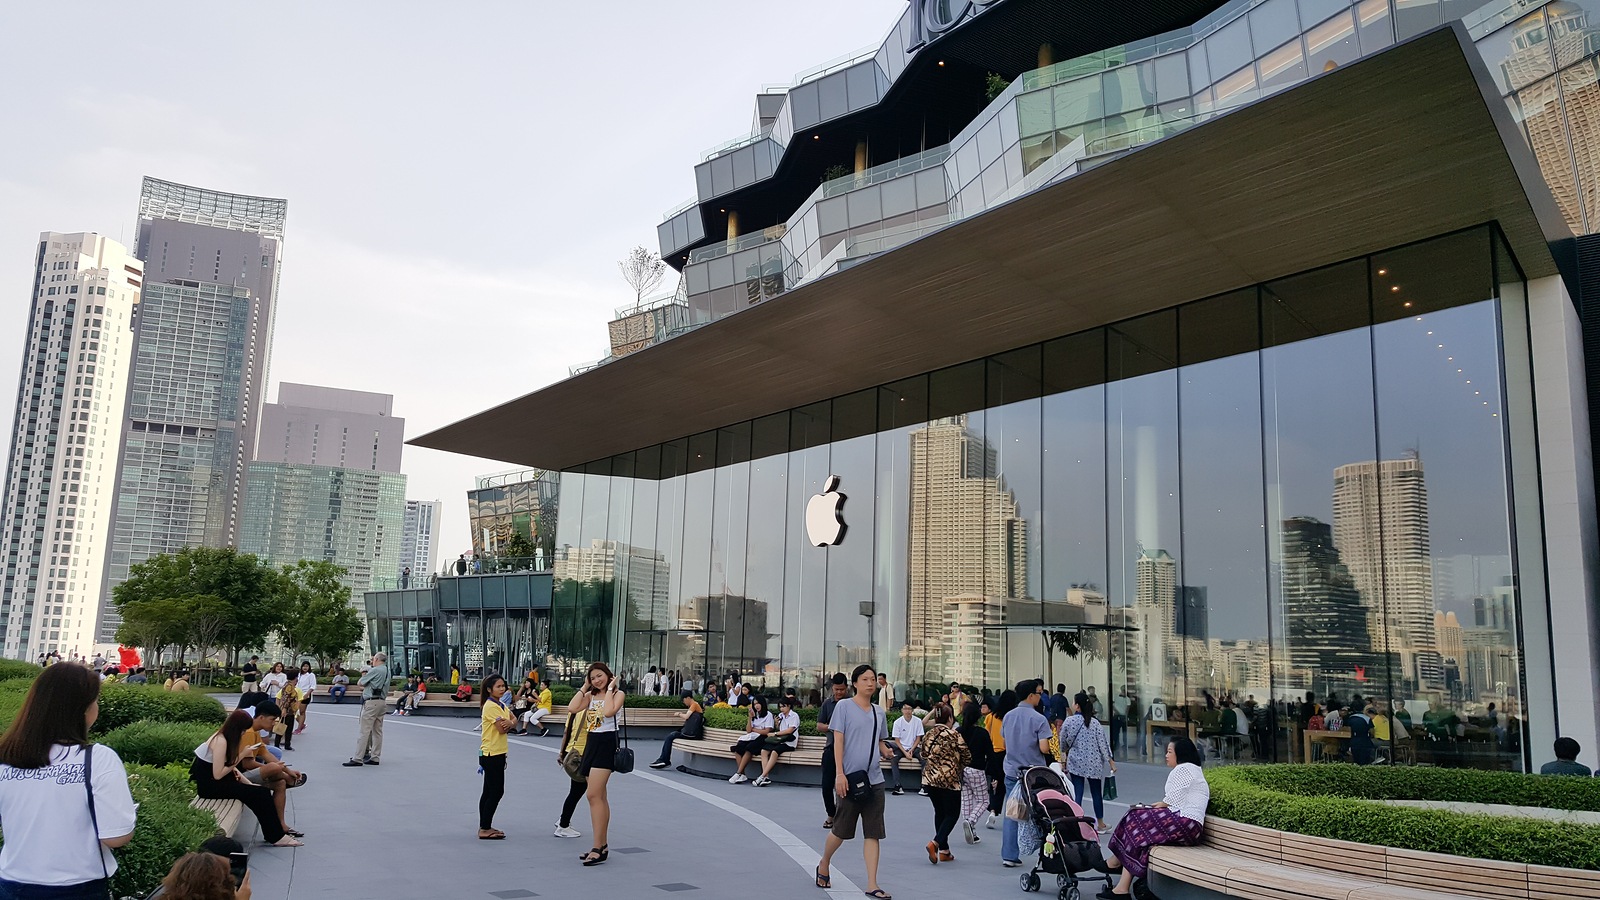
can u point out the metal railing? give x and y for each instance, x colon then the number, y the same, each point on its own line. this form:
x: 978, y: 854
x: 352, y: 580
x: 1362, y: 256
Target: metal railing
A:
x: 742, y: 242
x: 836, y: 64
x: 683, y: 207
x: 882, y: 172
x: 733, y: 144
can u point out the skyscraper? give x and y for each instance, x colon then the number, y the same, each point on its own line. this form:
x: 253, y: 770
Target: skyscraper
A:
x: 1324, y: 619
x: 63, y: 465
x: 1380, y: 525
x: 419, y: 547
x: 966, y: 536
x: 326, y: 483
x: 202, y: 340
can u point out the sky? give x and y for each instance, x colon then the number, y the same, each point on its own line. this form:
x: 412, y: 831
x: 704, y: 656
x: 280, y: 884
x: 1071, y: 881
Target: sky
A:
x: 461, y: 178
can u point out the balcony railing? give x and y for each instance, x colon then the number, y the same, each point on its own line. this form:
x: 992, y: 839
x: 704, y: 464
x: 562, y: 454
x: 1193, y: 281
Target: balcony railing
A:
x: 733, y: 144
x: 743, y: 242
x: 882, y: 172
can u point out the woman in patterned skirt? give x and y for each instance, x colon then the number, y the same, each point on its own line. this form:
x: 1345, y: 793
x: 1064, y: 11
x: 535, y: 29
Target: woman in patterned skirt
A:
x: 1176, y: 820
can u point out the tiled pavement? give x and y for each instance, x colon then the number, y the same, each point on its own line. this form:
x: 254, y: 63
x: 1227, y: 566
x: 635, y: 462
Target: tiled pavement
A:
x: 407, y: 829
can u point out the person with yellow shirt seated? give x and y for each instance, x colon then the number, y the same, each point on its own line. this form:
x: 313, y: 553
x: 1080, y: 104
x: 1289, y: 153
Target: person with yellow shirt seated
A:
x: 495, y: 721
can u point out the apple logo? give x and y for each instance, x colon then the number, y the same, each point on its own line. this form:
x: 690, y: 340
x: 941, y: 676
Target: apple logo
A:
x: 825, y: 515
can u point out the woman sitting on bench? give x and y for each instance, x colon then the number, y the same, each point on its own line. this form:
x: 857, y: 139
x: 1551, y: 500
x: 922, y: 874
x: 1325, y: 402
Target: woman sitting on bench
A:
x: 1176, y: 821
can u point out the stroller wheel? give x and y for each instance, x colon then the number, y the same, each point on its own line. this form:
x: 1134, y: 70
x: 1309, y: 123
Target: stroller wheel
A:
x: 1070, y: 892
x: 1030, y: 881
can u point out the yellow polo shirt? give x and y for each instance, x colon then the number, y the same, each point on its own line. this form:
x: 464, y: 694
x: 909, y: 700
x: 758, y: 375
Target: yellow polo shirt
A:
x: 494, y: 740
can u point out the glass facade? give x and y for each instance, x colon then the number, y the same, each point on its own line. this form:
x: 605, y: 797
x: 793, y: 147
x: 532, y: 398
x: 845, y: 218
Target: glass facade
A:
x: 480, y: 624
x: 350, y: 517
x: 1305, y: 485
x: 522, y: 503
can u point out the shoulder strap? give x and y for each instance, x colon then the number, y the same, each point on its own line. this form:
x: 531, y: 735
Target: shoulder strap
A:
x: 94, y: 821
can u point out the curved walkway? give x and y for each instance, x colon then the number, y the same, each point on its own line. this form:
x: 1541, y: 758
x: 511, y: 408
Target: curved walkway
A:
x: 406, y: 829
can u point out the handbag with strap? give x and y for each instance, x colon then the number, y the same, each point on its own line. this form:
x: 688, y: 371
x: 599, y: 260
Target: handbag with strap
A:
x: 572, y: 760
x: 622, y: 764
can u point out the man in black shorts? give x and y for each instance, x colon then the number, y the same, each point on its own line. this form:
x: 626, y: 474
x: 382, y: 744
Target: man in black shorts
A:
x: 858, y: 728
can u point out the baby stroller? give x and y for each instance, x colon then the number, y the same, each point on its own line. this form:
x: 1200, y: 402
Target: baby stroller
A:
x: 1071, y: 846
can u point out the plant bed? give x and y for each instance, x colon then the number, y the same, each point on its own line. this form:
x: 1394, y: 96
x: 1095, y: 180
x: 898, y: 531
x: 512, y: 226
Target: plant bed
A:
x: 124, y: 704
x: 1340, y: 802
x: 154, y: 743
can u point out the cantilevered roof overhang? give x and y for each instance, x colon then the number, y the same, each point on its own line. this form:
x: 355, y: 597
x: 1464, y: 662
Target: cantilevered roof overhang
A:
x: 1404, y: 145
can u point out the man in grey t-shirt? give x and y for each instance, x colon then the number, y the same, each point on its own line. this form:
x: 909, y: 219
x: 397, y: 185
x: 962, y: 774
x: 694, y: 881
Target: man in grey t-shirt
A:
x: 838, y: 690
x: 374, y: 693
x: 857, y: 727
x: 1027, y: 736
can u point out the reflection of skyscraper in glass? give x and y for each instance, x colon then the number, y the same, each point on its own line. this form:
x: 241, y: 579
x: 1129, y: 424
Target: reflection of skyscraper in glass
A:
x: 1324, y: 618
x: 643, y: 572
x: 1571, y: 37
x: 1194, y: 615
x: 1380, y: 527
x: 965, y: 534
x: 1156, y: 615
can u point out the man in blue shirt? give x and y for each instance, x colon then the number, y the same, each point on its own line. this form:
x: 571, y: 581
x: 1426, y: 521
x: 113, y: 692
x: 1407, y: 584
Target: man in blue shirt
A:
x: 1027, y: 736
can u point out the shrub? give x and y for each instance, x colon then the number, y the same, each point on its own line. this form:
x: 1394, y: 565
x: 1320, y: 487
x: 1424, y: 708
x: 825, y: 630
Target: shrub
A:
x: 645, y: 702
x: 1338, y: 801
x: 124, y: 704
x: 562, y: 694
x: 735, y: 719
x: 16, y: 668
x: 228, y: 683
x: 167, y: 827
x: 157, y: 743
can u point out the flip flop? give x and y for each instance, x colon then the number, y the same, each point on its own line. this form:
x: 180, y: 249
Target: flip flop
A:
x: 823, y: 881
x: 879, y: 894
x: 491, y: 836
x: 301, y: 780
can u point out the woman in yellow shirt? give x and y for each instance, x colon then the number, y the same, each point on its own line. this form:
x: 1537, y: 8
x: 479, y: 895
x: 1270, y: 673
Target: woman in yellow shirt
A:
x: 991, y: 723
x: 496, y: 720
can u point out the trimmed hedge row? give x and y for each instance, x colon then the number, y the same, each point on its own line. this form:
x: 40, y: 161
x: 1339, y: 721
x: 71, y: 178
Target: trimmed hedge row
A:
x: 728, y: 717
x: 153, y: 743
x: 1336, y: 801
x: 125, y: 704
x: 167, y: 827
x: 16, y: 668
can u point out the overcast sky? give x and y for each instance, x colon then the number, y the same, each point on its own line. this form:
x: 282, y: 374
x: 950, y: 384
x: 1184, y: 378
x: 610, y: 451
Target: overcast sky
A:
x: 461, y: 178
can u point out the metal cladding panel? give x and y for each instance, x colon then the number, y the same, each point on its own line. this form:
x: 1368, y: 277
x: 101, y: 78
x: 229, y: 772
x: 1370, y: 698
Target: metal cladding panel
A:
x: 1407, y: 144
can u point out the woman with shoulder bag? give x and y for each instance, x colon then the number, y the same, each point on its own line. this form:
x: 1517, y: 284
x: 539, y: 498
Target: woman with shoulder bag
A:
x: 944, y: 762
x: 599, y: 702
x: 574, y: 738
x: 785, y: 735
x: 81, y: 801
x: 1089, y: 761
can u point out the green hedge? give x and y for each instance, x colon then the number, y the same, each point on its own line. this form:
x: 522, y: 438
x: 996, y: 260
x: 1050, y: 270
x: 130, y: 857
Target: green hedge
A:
x: 717, y: 717
x: 124, y: 704
x: 562, y: 694
x: 16, y: 668
x: 1337, y: 801
x: 167, y: 827
x: 154, y: 743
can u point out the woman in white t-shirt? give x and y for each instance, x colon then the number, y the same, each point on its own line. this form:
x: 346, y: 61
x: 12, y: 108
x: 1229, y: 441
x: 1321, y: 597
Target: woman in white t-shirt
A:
x: 306, y: 681
x: 44, y: 801
x: 785, y: 735
x: 1177, y: 820
x: 273, y: 681
x: 750, y: 743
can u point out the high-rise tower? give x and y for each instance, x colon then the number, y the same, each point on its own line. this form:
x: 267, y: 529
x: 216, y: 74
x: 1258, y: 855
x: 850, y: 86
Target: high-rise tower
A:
x: 1325, y: 620
x: 63, y: 465
x: 202, y: 340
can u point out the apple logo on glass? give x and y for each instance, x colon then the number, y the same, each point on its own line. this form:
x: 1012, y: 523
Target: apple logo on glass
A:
x: 825, y: 515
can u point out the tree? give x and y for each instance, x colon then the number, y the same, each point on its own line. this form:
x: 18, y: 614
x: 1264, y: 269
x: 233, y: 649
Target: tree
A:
x: 517, y: 545
x: 318, y: 620
x: 153, y: 624
x: 642, y: 269
x: 248, y: 586
x: 207, y: 617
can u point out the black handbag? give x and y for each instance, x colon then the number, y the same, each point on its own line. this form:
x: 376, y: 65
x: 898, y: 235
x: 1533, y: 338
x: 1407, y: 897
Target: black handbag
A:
x: 623, y: 763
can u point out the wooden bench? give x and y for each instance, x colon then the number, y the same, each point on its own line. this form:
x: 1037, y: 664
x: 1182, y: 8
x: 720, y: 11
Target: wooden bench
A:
x: 807, y: 751
x: 227, y: 813
x: 1239, y: 860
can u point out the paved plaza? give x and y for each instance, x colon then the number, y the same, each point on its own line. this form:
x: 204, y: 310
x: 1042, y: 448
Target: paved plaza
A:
x: 407, y: 829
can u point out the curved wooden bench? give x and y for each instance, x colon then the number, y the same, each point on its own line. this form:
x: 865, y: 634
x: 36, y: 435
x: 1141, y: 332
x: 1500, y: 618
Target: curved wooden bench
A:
x: 807, y: 752
x: 1239, y: 860
x: 226, y: 812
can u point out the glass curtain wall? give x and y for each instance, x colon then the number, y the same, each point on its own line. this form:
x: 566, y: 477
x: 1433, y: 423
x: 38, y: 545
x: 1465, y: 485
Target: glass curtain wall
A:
x: 1201, y: 516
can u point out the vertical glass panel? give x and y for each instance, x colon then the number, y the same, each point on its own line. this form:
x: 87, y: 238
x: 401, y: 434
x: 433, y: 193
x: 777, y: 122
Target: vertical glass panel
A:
x: 1442, y: 497
x: 1272, y: 23
x: 1372, y: 20
x: 1073, y: 516
x: 902, y: 410
x: 685, y: 648
x: 1283, y: 66
x: 1574, y: 29
x: 1520, y: 53
x: 1142, y: 500
x: 1172, y: 78
x: 804, y: 573
x: 720, y: 616
x: 1078, y: 101
x: 1240, y: 87
x: 1013, y: 529
x: 669, y: 529
x: 850, y: 638
x: 1229, y: 48
x: 1413, y: 17
x: 763, y: 612
x: 564, y: 591
x: 1124, y: 90
x: 1332, y: 44
x: 1222, y: 600
x: 1318, y: 422
x: 1199, y: 72
x: 1580, y: 87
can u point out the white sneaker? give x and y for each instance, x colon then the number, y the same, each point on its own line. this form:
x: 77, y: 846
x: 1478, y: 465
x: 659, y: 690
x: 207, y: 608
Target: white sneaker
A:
x: 763, y: 781
x: 567, y: 832
x: 737, y: 778
x: 992, y: 819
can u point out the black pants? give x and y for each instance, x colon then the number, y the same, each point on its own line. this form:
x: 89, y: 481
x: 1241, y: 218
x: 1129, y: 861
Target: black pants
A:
x: 494, y: 787
x: 946, y: 813
x: 997, y: 769
x: 285, y: 740
x: 257, y: 798
x: 829, y: 798
x: 570, y: 805
x: 666, y: 746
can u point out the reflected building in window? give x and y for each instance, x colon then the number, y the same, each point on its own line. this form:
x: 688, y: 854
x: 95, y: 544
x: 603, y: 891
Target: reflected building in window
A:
x: 1381, y: 529
x: 512, y: 510
x: 1324, y: 616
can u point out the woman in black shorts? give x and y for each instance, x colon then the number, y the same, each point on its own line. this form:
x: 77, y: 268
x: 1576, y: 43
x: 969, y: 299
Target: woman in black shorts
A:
x: 599, y: 702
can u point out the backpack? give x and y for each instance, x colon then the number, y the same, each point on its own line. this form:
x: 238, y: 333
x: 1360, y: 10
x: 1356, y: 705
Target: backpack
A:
x: 694, y: 727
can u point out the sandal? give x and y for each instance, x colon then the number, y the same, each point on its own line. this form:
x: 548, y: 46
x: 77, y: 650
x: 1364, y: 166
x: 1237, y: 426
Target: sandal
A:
x: 491, y: 834
x: 301, y: 780
x: 879, y: 894
x: 287, y: 841
x: 596, y: 855
x: 824, y: 881
x: 294, y: 834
